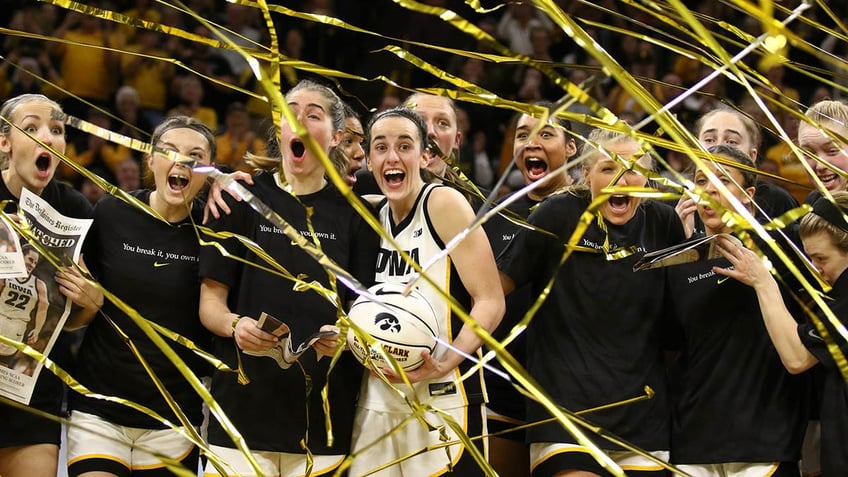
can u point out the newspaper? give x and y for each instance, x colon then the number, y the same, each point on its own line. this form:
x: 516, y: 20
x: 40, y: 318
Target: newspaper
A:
x: 32, y: 310
x: 284, y: 354
x: 692, y: 251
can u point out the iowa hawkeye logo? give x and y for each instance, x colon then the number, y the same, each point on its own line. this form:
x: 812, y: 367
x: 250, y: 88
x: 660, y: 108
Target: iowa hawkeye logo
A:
x: 390, y: 261
x: 387, y: 322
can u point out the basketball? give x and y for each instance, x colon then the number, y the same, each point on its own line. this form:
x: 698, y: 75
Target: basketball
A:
x: 403, y: 326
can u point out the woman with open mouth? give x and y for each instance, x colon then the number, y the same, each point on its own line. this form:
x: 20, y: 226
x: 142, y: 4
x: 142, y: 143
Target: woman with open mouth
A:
x: 596, y: 338
x: 29, y: 444
x: 152, y: 265
x: 276, y: 409
x: 421, y: 219
x: 727, y: 364
x: 538, y: 157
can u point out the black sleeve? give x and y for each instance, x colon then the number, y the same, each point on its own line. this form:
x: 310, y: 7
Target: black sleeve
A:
x: 213, y: 264
x: 91, y: 246
x: 534, y: 254
x: 363, y: 254
x: 816, y: 345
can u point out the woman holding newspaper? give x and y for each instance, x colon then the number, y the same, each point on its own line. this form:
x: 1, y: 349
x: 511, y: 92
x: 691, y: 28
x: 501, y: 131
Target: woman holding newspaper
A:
x: 29, y: 444
x: 151, y: 263
x: 727, y: 365
x: 280, y: 412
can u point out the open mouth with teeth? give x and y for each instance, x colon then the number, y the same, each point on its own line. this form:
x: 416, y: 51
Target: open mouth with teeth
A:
x: 619, y: 203
x: 536, y: 168
x: 177, y: 182
x: 830, y: 180
x: 42, y: 163
x: 298, y: 149
x: 394, y: 177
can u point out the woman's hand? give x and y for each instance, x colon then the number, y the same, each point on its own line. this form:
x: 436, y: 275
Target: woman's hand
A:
x: 215, y: 203
x: 686, y: 208
x: 327, y: 346
x: 747, y: 267
x: 249, y: 337
x: 74, y: 286
x: 431, y: 369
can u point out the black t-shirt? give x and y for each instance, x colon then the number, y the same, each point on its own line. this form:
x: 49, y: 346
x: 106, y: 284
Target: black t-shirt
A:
x: 21, y: 427
x: 503, y: 398
x: 271, y: 411
x: 834, y: 404
x: 728, y: 366
x: 596, y: 339
x: 151, y: 266
x: 773, y: 199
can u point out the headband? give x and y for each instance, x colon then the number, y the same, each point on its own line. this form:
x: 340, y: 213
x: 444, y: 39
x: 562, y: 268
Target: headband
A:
x: 832, y: 213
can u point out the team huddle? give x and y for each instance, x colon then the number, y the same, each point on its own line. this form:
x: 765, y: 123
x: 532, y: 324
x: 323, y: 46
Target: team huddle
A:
x: 736, y: 362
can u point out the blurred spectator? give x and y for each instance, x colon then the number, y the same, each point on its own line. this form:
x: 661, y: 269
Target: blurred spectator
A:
x: 131, y: 121
x: 142, y: 10
x: 89, y: 189
x: 23, y: 78
x: 94, y: 152
x: 240, y: 20
x: 237, y: 140
x: 517, y: 22
x: 786, y: 164
x: 473, y: 158
x: 89, y: 73
x: 191, y: 102
x: 149, y: 76
x: 128, y: 175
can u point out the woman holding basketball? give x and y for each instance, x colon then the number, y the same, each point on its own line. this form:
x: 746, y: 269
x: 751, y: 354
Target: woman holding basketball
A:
x: 596, y: 339
x: 277, y: 408
x: 421, y: 218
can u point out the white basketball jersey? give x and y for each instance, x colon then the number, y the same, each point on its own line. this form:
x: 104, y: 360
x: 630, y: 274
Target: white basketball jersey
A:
x: 416, y: 237
x: 18, y: 300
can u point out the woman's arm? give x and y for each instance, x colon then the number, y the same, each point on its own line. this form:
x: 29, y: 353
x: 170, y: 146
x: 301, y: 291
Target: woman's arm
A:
x: 749, y: 269
x: 217, y: 318
x: 473, y: 259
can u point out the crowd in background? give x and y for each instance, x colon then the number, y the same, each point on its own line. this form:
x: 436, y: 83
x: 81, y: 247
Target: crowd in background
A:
x: 142, y: 75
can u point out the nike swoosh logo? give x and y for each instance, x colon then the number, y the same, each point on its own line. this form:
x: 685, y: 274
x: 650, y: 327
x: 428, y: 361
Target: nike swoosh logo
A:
x: 722, y: 280
x: 160, y: 264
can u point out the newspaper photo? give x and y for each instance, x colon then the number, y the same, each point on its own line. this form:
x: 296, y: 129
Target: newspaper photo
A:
x: 32, y: 310
x: 11, y: 258
x: 284, y: 353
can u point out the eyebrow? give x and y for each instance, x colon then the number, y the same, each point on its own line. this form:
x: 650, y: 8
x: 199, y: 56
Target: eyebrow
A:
x: 308, y: 105
x: 717, y: 130
x: 383, y: 137
x: 174, y: 146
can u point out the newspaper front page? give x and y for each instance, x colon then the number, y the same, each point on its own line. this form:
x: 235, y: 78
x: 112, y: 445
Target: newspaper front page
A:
x: 32, y: 310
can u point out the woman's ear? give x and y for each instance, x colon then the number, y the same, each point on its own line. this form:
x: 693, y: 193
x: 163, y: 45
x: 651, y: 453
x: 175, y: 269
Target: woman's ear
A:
x: 5, y: 144
x: 749, y: 194
x: 337, y: 138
